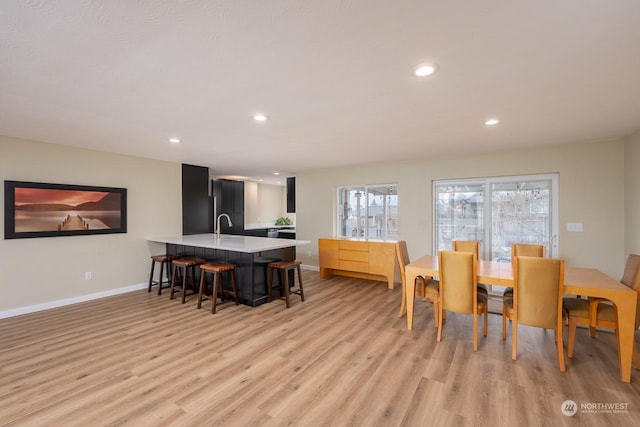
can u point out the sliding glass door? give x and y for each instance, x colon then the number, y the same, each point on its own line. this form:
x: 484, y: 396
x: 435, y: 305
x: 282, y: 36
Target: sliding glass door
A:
x: 459, y: 213
x: 497, y: 212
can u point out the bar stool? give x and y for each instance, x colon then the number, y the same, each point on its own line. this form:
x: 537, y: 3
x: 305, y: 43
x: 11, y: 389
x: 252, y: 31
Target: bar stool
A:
x: 181, y: 268
x: 283, y: 268
x: 217, y: 268
x: 163, y: 260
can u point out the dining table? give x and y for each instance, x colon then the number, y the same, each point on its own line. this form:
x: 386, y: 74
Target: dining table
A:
x: 588, y: 282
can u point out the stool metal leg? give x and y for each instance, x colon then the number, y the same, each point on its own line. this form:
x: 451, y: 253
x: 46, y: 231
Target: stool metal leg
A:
x: 202, y: 288
x: 169, y: 274
x: 185, y: 282
x: 160, y: 278
x: 234, y: 285
x: 214, y: 293
x: 270, y: 285
x: 284, y: 282
x: 300, y: 282
x: 153, y: 265
x: 174, y: 280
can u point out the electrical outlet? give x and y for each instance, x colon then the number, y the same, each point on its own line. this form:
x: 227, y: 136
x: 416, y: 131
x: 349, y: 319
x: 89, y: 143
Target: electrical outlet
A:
x: 87, y: 275
x: 308, y: 253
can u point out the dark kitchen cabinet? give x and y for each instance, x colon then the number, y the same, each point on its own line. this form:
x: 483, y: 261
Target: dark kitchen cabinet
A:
x: 256, y: 232
x: 228, y: 197
x: 291, y: 194
x: 195, y: 199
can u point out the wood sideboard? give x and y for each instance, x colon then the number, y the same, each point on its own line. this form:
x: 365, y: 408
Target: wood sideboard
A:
x: 365, y: 259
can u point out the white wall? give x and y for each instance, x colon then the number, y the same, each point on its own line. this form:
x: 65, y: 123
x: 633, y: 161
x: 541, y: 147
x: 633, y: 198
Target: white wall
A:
x: 595, y: 180
x: 251, y: 205
x: 632, y: 194
x: 264, y: 203
x: 39, y: 271
x: 272, y: 200
x: 591, y: 191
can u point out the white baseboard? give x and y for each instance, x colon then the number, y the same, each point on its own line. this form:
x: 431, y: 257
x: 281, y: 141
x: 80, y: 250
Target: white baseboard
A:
x: 61, y: 303
x: 69, y: 301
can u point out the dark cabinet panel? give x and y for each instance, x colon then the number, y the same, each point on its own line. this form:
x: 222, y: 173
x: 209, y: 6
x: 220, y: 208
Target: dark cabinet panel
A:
x: 195, y: 199
x: 228, y: 198
x: 226, y: 201
x: 250, y: 268
x: 257, y: 232
x: 238, y: 198
x: 286, y: 235
x: 291, y: 194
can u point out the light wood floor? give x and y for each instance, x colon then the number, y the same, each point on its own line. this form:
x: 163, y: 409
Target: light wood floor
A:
x: 341, y: 358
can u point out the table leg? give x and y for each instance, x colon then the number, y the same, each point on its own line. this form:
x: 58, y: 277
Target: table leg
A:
x: 410, y: 284
x: 626, y: 329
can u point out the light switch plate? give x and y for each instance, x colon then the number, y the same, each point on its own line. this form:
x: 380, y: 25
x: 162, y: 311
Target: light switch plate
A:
x: 575, y: 227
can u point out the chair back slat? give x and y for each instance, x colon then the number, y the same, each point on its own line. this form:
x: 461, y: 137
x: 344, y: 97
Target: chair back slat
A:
x: 458, y: 280
x: 525, y: 249
x: 403, y: 255
x: 631, y: 276
x: 539, y: 286
x: 472, y: 246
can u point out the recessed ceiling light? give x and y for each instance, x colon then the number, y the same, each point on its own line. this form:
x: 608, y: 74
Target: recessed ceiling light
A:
x: 492, y: 122
x: 424, y: 70
x: 276, y: 173
x: 259, y: 117
x: 175, y: 140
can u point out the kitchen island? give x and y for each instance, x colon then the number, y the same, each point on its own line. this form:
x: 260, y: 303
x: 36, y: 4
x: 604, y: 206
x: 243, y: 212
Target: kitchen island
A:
x: 250, y: 255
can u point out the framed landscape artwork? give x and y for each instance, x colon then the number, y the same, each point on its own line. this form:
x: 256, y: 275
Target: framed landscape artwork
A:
x: 33, y: 209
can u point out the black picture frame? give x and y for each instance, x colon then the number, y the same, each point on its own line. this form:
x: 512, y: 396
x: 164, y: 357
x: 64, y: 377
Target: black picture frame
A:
x: 36, y: 209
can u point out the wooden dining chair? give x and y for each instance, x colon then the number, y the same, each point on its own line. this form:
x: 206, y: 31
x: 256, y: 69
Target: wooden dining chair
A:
x: 599, y: 312
x: 472, y: 246
x: 524, y: 249
x: 459, y: 289
x: 424, y: 286
x: 537, y: 300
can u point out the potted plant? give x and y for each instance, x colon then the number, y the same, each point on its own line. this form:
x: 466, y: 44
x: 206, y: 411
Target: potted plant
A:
x: 284, y: 221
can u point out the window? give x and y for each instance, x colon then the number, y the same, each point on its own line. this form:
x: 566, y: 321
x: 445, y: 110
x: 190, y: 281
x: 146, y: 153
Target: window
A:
x: 368, y: 211
x: 497, y: 212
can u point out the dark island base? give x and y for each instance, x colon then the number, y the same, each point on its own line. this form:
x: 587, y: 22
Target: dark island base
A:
x: 251, y: 268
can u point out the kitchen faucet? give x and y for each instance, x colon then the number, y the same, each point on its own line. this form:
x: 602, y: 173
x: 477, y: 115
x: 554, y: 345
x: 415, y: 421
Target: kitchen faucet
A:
x: 218, y: 224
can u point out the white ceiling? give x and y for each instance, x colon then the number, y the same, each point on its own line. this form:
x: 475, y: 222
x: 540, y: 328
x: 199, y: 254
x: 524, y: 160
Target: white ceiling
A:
x: 334, y: 77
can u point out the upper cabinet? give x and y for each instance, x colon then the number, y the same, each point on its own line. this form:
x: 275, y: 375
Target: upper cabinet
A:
x: 291, y: 194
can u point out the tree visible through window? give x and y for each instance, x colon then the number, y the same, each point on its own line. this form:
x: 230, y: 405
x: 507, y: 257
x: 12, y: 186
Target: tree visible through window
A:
x: 369, y: 211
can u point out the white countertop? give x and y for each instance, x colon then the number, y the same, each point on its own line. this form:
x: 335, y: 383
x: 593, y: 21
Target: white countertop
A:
x: 228, y: 242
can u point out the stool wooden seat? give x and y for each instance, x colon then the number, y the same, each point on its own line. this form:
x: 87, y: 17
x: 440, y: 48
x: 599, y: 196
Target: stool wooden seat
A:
x: 217, y: 268
x: 181, y: 268
x: 163, y: 260
x: 283, y: 267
